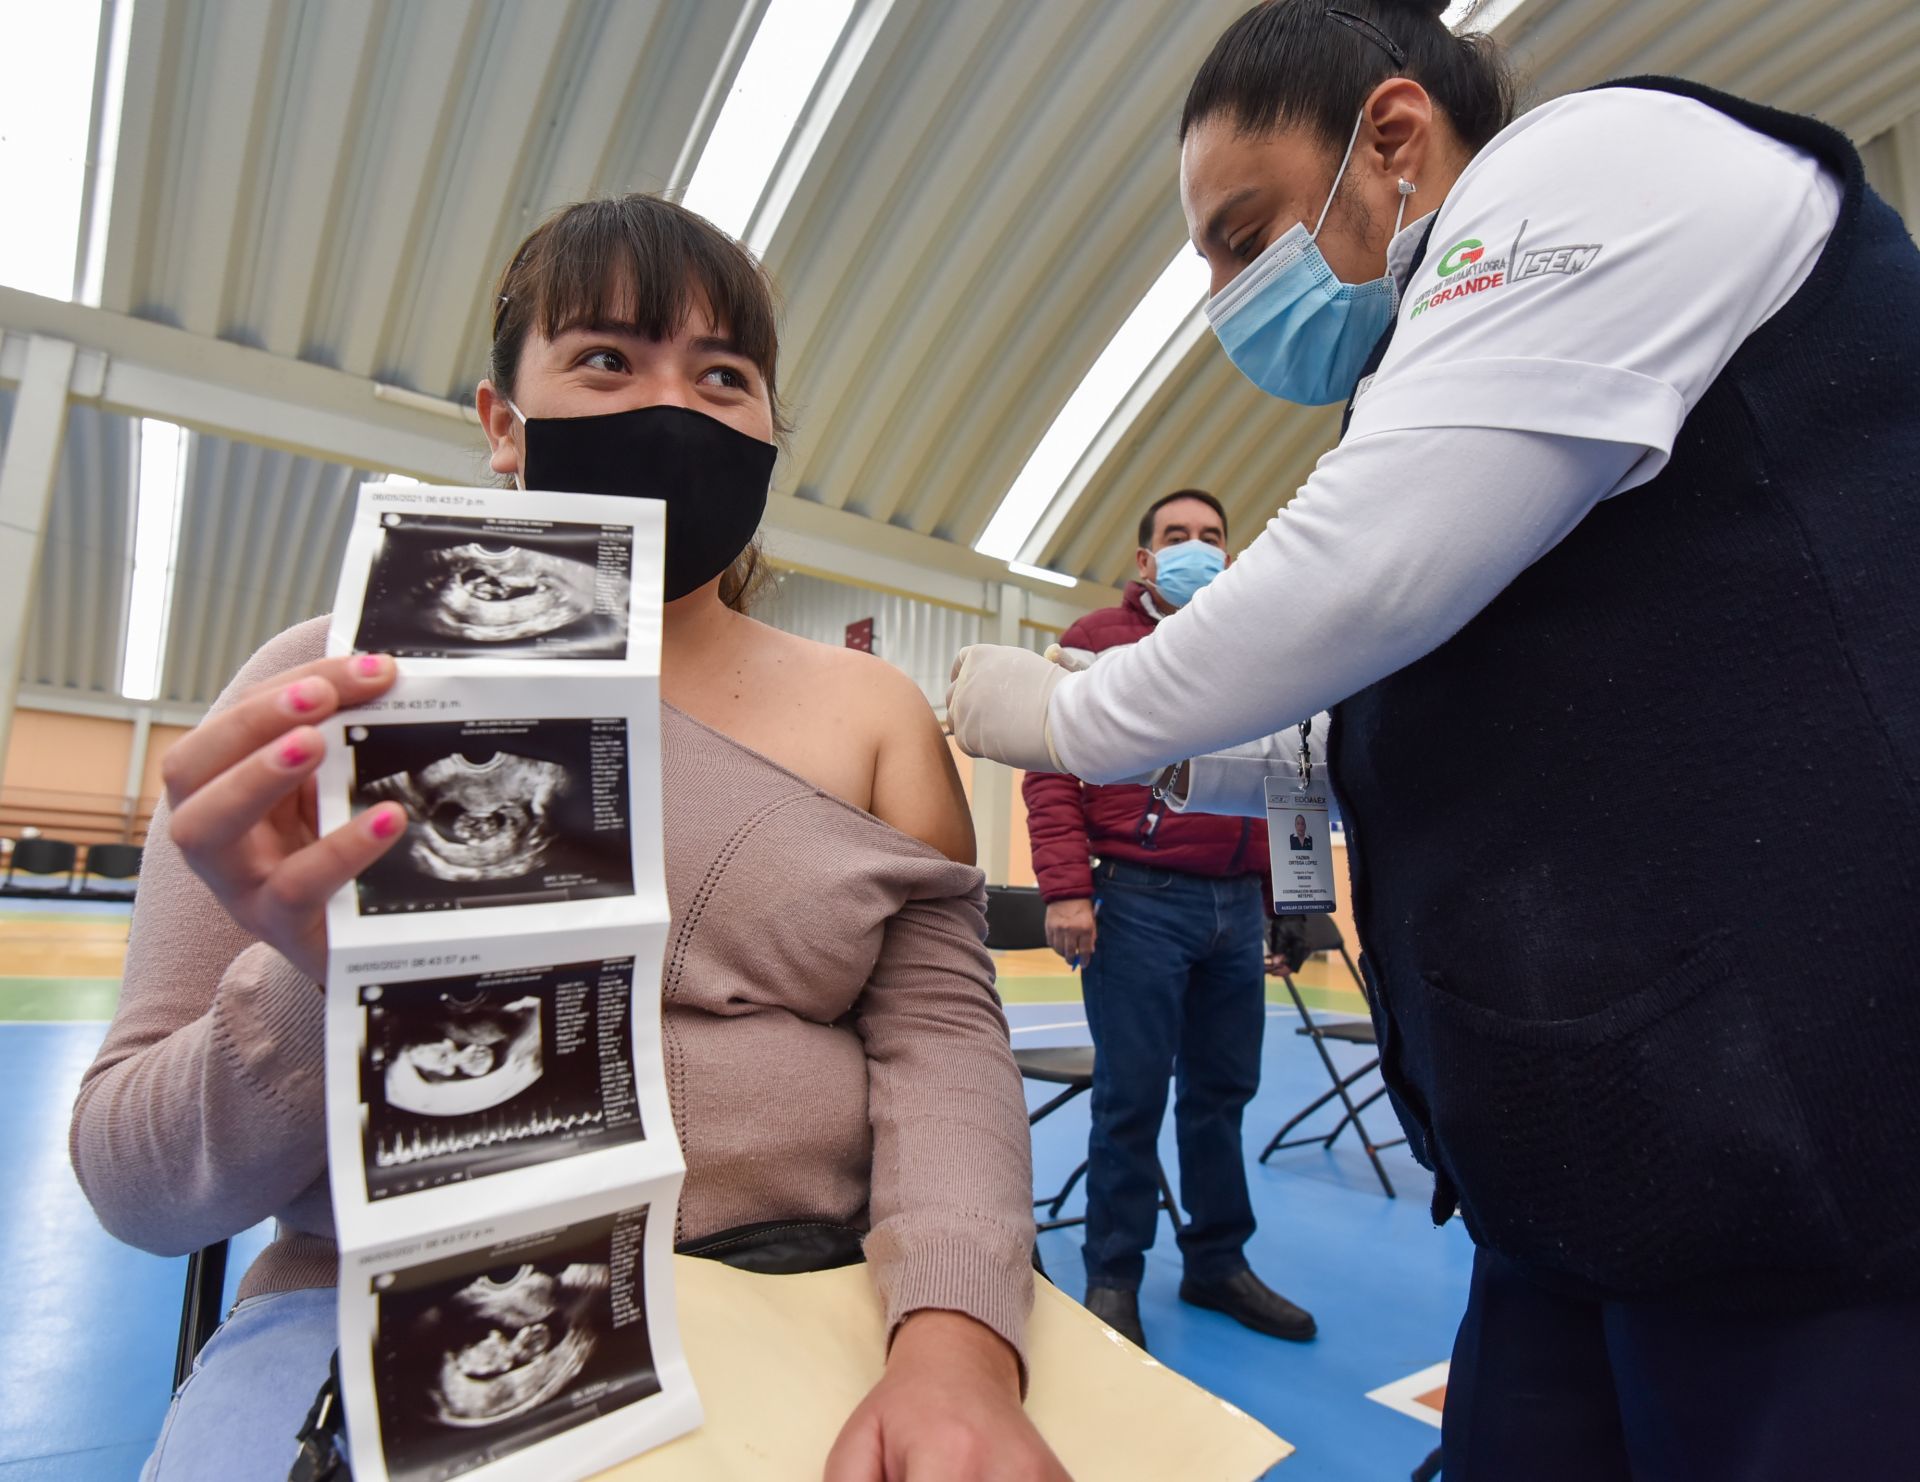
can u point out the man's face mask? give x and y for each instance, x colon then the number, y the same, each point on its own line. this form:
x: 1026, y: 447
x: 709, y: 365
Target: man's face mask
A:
x: 712, y: 478
x: 1182, y: 569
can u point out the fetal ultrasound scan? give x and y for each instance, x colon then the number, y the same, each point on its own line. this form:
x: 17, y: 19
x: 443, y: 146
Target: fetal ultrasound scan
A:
x: 499, y: 812
x: 465, y: 1077
x: 448, y: 586
x: 481, y: 1355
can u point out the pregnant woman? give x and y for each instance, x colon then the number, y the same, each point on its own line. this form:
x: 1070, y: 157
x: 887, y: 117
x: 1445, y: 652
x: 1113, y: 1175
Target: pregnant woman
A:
x: 834, y: 1047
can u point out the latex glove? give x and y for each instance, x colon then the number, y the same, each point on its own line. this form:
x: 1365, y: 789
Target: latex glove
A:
x: 997, y: 705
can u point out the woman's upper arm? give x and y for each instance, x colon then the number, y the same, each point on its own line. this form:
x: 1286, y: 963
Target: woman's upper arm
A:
x: 916, y: 788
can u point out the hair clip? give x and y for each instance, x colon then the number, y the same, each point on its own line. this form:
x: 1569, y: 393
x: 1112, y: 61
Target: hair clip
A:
x: 1361, y: 26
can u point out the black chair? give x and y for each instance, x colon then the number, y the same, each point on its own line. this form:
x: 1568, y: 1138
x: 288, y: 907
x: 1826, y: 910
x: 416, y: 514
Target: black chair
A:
x: 200, y: 1307
x: 1017, y: 922
x: 42, y: 857
x: 1322, y: 935
x: 111, y: 862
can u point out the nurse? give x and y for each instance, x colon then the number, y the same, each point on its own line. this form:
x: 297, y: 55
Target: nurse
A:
x: 1610, y: 581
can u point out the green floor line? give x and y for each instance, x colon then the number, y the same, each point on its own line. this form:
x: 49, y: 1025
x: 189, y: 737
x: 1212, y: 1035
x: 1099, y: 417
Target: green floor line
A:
x: 1058, y: 988
x: 49, y: 918
x: 31, y: 1000
x: 41, y: 999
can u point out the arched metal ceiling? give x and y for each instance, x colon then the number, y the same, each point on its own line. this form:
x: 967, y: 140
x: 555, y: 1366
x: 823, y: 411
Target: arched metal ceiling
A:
x: 244, y: 510
x: 339, y: 180
x: 79, y: 620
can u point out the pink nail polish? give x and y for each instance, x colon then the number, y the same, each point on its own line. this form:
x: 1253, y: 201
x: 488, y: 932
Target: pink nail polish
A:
x: 386, y: 823
x: 293, y: 754
x: 370, y: 664
x: 303, y: 697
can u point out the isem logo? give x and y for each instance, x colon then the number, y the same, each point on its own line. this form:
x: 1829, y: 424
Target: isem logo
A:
x: 1461, y: 255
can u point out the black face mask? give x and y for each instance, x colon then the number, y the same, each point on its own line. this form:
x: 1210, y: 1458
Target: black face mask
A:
x: 712, y: 478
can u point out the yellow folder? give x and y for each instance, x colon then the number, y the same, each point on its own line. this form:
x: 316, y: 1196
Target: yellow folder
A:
x: 782, y: 1361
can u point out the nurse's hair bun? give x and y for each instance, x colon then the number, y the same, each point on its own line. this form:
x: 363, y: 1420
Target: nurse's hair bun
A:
x: 1434, y: 8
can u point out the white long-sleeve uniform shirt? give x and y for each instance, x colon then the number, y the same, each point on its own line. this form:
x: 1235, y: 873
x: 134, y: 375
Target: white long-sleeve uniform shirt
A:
x: 1588, y: 276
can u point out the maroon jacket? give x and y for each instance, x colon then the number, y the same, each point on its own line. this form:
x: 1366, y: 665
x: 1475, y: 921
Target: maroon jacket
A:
x: 1069, y: 822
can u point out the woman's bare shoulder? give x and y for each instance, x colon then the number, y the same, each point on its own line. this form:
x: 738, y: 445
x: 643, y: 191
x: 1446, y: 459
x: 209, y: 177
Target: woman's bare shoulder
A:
x: 845, y: 676
x: 915, y: 786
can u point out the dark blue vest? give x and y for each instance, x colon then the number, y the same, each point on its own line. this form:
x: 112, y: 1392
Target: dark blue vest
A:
x: 1636, y: 853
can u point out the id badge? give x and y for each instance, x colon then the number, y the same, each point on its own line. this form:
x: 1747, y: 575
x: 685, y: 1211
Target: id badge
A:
x: 1297, y: 839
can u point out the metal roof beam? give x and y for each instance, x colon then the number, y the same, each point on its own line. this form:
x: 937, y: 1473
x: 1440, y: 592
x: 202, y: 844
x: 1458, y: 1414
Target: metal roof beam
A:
x: 153, y: 370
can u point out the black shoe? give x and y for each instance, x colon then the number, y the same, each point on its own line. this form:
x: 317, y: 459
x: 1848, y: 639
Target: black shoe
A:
x: 1250, y: 1302
x: 1119, y: 1310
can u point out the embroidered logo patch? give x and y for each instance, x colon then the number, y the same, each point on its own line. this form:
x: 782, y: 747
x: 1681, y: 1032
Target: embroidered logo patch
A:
x: 1460, y: 255
x: 1537, y: 262
x: 1468, y: 268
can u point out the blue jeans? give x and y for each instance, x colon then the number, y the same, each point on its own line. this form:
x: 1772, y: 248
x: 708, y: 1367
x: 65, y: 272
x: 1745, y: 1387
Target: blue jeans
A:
x: 237, y: 1415
x: 1176, y: 986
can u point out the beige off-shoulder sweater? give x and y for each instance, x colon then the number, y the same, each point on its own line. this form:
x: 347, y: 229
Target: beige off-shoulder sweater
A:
x: 835, y: 1049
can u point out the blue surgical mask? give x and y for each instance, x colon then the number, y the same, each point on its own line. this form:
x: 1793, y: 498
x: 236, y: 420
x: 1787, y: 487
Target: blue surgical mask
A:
x: 1293, y: 328
x: 1183, y: 569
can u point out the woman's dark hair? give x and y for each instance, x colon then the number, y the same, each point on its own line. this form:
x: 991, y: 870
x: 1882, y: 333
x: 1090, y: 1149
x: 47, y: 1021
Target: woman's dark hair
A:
x: 640, y: 262
x: 1313, y: 62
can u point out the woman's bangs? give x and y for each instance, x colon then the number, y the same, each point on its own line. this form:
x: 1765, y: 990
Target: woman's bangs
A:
x: 645, y: 272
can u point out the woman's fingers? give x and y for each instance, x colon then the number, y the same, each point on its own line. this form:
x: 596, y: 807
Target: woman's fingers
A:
x: 303, y: 696
x: 211, y: 819
x: 858, y: 1454
x: 297, y: 889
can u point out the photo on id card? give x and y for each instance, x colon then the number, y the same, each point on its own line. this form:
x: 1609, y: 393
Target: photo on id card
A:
x: 1301, y: 849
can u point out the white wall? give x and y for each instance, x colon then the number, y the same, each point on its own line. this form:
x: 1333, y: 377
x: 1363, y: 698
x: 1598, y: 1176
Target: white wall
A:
x: 919, y: 637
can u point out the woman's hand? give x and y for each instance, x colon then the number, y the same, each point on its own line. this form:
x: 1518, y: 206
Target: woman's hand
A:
x: 948, y: 1410
x: 240, y: 785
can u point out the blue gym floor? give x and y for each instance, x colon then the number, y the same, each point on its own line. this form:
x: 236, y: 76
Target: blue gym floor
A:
x: 91, y: 1325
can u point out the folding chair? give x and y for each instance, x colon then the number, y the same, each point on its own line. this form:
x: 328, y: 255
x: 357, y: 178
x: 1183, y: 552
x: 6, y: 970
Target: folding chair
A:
x: 200, y: 1306
x: 1017, y: 922
x: 111, y: 862
x: 1322, y: 935
x: 41, y: 856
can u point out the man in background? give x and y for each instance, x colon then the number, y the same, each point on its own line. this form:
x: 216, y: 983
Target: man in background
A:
x: 1165, y: 915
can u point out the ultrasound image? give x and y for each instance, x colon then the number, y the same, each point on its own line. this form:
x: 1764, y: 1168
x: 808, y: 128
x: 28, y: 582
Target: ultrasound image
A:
x: 465, y: 1077
x: 510, y: 1345
x: 479, y: 1057
x: 481, y: 1355
x: 499, y: 812
x: 444, y: 586
x: 481, y: 820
